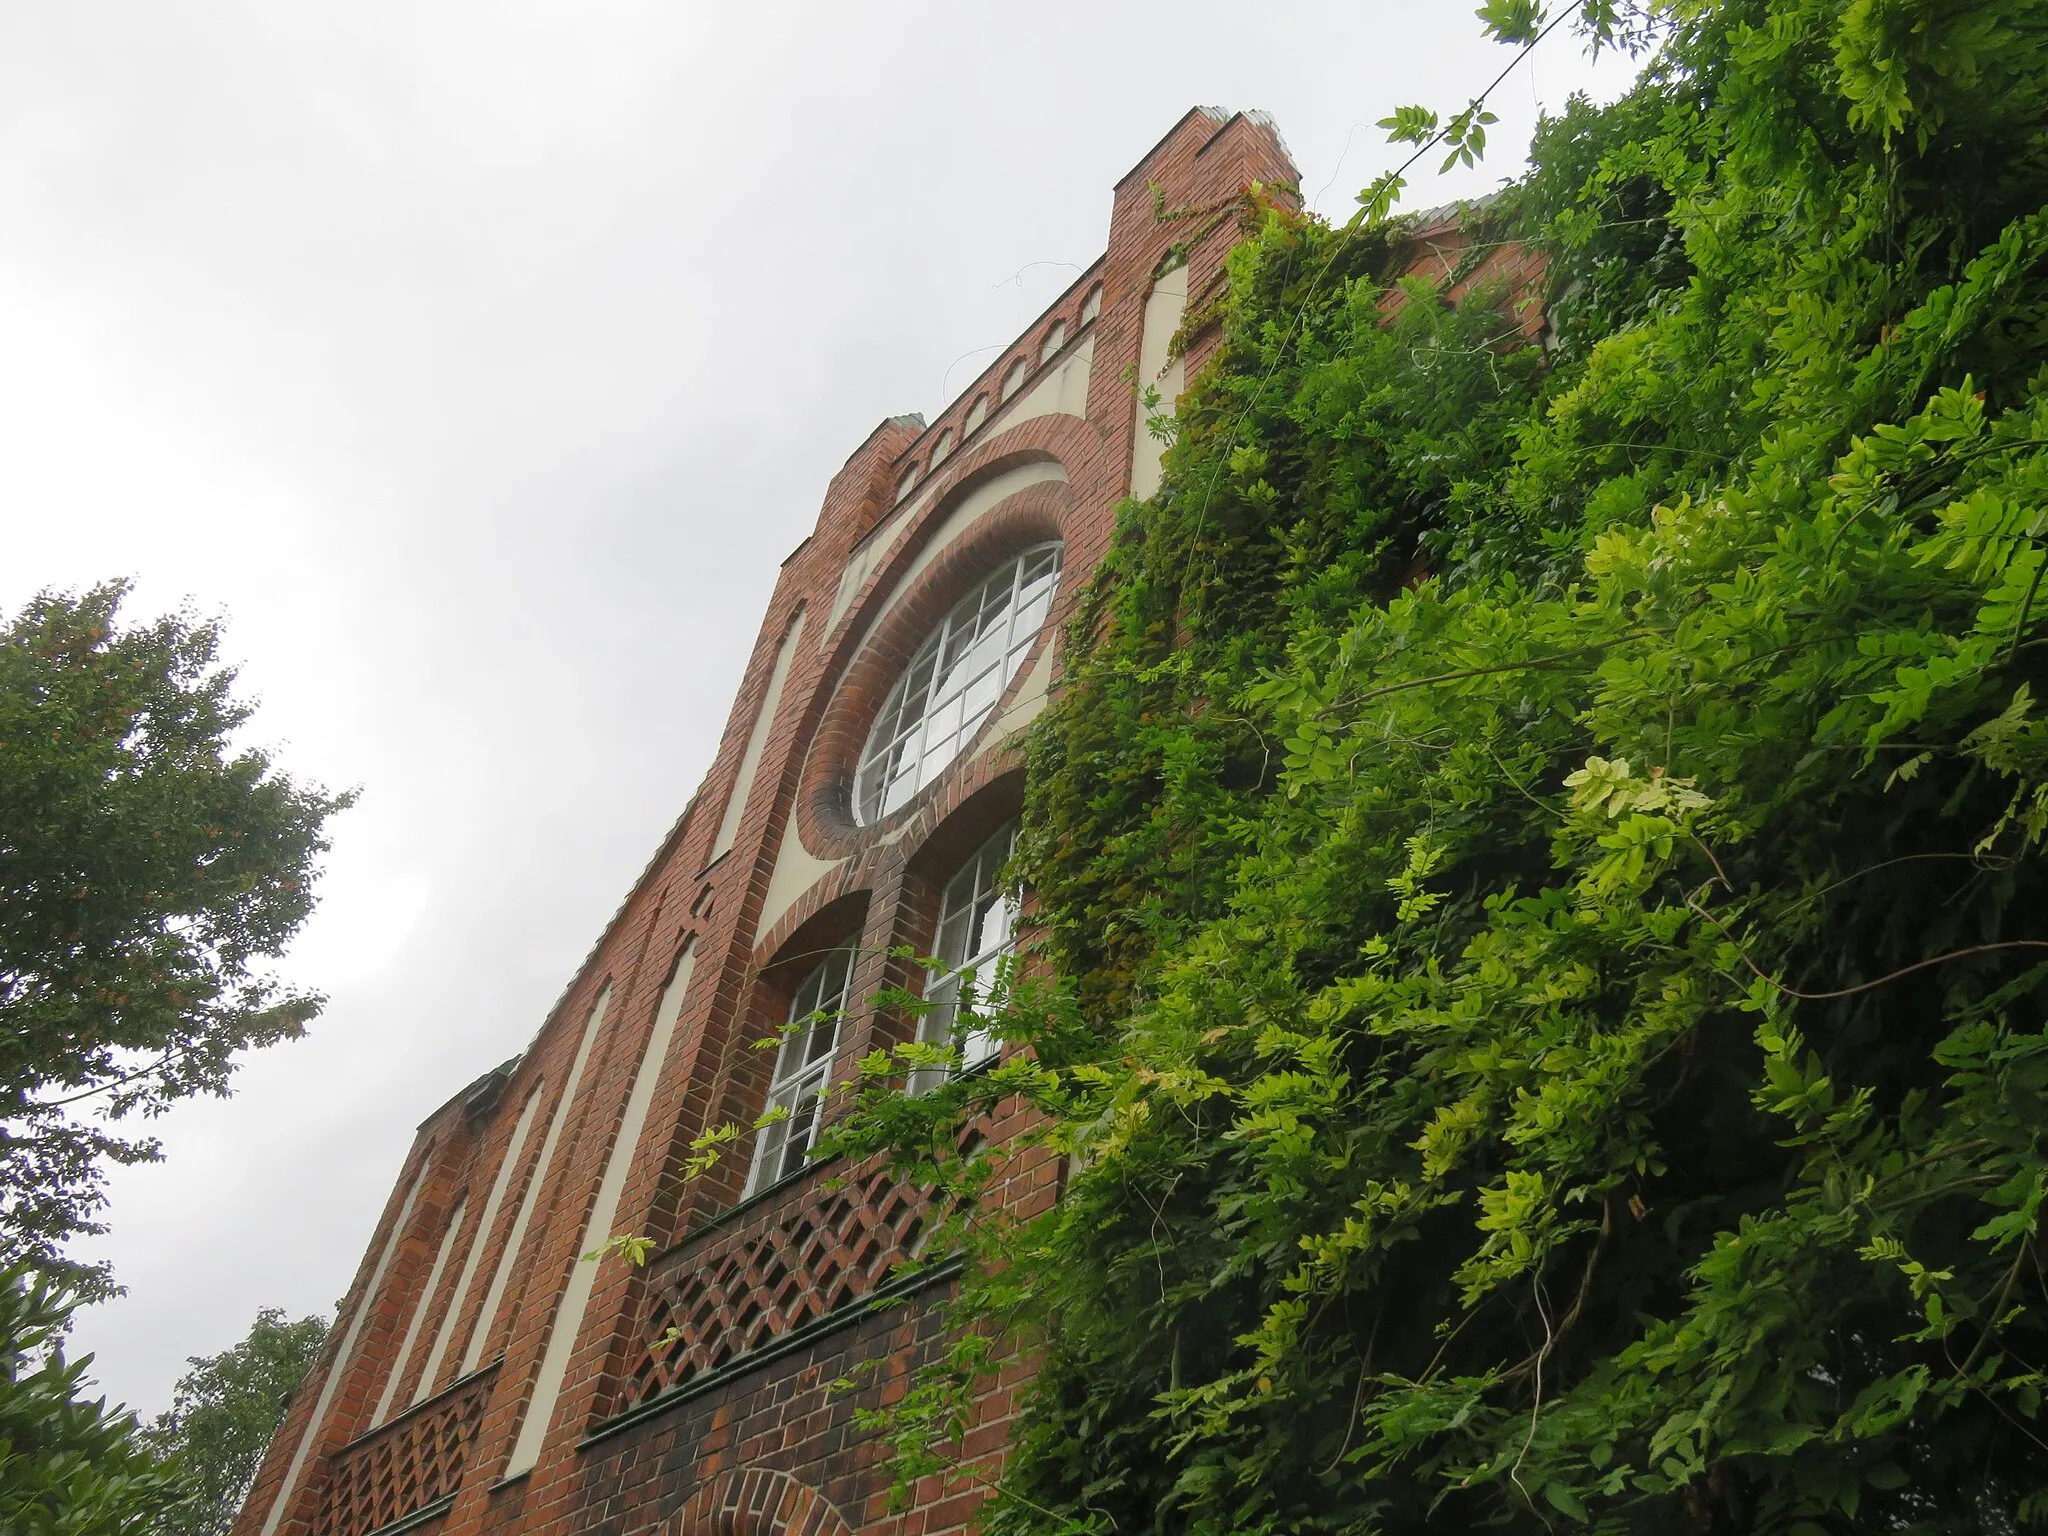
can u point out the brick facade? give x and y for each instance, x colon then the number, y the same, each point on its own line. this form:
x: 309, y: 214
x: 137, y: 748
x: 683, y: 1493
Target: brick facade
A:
x: 729, y: 1424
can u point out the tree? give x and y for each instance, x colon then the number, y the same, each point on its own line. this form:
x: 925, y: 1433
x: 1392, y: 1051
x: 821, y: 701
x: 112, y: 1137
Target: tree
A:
x: 68, y: 1467
x: 1545, y: 850
x: 148, y: 866
x: 223, y: 1413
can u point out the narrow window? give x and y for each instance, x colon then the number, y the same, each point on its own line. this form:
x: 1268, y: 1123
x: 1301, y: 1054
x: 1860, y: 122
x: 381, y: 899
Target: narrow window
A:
x: 796, y: 1099
x: 977, y: 413
x: 1014, y: 379
x: 1092, y: 305
x: 907, y: 484
x: 942, y: 447
x: 1054, y: 340
x: 977, y: 930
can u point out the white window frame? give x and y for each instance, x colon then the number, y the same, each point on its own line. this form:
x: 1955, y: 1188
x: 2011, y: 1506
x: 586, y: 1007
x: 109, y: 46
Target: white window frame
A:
x: 955, y: 678
x: 803, y: 1066
x: 975, y: 937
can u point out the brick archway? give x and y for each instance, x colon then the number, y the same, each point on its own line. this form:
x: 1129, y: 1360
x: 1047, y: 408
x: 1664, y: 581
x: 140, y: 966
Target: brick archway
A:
x: 757, y: 1501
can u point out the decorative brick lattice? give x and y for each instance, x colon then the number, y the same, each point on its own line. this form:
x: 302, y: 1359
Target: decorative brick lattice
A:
x: 406, y: 1465
x: 757, y: 1502
x: 805, y: 1251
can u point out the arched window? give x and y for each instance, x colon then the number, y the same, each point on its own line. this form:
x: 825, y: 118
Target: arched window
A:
x: 942, y: 447
x: 977, y: 413
x: 977, y: 929
x: 953, y: 681
x: 802, y: 1066
x: 907, y: 484
x: 1014, y: 379
x: 1055, y: 338
x: 1092, y: 305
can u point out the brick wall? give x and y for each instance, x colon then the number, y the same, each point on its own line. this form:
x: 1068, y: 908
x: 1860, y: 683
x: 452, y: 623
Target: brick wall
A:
x: 753, y: 1440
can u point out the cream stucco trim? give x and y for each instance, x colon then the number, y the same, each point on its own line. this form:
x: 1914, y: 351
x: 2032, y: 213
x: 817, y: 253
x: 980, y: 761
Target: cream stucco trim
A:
x: 975, y: 505
x: 1063, y: 392
x: 487, y: 1314
x: 554, y: 1364
x: 1030, y: 699
x: 420, y: 1306
x: 1164, y: 307
x: 477, y: 1242
x: 797, y: 869
x: 757, y: 739
x: 862, y: 565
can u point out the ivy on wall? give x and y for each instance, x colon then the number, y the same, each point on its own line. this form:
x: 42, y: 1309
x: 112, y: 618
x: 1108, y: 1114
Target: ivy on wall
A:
x: 1541, y: 849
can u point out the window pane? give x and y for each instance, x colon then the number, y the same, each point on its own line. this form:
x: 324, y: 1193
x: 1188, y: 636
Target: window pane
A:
x: 954, y: 681
x: 801, y: 1129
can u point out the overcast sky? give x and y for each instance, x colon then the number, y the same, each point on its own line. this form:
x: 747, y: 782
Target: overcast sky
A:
x: 479, y: 362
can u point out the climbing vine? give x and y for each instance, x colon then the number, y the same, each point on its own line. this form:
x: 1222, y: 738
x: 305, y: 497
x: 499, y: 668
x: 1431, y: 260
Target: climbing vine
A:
x: 1540, y: 848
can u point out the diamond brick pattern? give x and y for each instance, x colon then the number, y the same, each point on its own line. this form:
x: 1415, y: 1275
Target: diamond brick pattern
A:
x: 401, y: 1468
x: 810, y: 1249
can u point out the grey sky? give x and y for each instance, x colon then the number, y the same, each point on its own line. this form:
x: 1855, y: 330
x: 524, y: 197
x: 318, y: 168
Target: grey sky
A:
x: 480, y: 362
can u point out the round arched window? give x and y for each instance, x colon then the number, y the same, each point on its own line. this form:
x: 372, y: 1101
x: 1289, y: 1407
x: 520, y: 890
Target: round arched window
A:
x: 953, y: 681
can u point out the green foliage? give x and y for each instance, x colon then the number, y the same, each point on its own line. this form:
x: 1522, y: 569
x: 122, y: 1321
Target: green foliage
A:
x: 68, y: 1467
x: 1542, y: 846
x: 147, y: 866
x: 223, y: 1414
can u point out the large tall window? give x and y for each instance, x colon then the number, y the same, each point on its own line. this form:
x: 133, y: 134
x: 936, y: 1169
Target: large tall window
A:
x: 802, y: 1066
x: 953, y: 681
x: 977, y: 928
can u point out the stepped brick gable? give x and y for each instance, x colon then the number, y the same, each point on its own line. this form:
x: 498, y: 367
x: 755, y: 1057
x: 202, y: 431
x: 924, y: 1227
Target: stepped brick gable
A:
x: 480, y: 1377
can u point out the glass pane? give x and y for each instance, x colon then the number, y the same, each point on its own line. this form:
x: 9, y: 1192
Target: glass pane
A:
x: 997, y: 922
x: 980, y: 698
x: 916, y: 683
x: 812, y: 1029
x: 955, y: 929
x: 981, y: 658
x: 901, y: 788
x: 802, y: 1127
x: 978, y: 1046
x: 937, y: 1025
x: 768, y: 1157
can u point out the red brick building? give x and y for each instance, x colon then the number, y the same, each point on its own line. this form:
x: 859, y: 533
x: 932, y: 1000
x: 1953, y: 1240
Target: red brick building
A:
x: 480, y: 1377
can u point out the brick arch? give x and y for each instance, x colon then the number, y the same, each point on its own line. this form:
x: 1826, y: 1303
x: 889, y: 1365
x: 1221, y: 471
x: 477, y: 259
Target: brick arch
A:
x: 848, y: 706
x: 757, y: 1501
